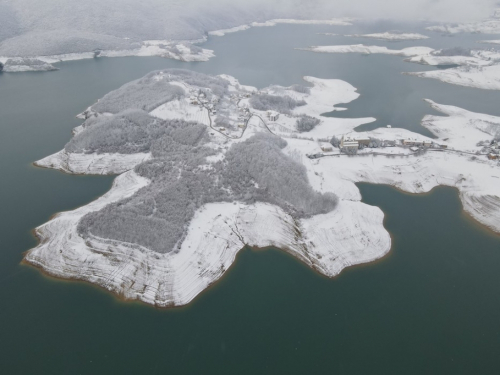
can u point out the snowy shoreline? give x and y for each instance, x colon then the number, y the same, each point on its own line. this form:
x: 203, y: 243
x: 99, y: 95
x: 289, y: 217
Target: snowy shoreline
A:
x: 478, y: 69
x: 177, y: 50
x: 391, y: 36
x: 173, y: 49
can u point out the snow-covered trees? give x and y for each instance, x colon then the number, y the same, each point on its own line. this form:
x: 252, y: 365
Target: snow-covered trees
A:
x: 129, y: 132
x: 282, y: 104
x: 335, y: 142
x: 146, y: 93
x: 375, y: 143
x: 157, y: 216
x: 157, y: 88
x: 181, y: 178
x: 217, y: 85
x: 301, y: 88
x: 257, y: 170
x: 306, y: 123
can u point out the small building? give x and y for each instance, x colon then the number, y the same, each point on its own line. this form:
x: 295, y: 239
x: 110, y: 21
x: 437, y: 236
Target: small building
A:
x: 414, y: 149
x: 427, y: 143
x: 214, y: 112
x: 492, y: 156
x: 326, y: 147
x: 349, y: 143
x: 222, y: 129
x: 241, y: 125
x: 411, y: 142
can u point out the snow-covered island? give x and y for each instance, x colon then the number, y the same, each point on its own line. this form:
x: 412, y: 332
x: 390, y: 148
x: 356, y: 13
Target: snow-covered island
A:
x: 177, y: 50
x: 392, y: 36
x: 208, y: 166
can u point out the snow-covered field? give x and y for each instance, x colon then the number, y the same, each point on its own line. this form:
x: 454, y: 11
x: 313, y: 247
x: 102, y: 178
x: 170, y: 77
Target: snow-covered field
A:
x: 352, y: 233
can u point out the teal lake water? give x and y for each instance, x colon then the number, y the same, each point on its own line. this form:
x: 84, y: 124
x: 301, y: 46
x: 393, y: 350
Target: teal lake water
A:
x: 431, y: 306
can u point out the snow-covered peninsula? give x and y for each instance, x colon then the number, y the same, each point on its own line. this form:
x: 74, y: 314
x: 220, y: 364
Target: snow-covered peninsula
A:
x: 489, y: 25
x: 473, y: 68
x: 392, y: 36
x: 361, y: 48
x: 209, y: 165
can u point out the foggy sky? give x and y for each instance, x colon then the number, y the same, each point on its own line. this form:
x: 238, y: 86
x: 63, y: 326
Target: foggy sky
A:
x: 57, y: 26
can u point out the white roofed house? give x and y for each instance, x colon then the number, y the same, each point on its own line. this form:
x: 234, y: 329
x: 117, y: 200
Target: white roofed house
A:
x: 326, y: 147
x: 349, y: 144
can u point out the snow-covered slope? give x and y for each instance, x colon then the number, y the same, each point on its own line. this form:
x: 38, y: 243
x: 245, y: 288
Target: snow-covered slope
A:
x: 351, y: 234
x: 34, y: 28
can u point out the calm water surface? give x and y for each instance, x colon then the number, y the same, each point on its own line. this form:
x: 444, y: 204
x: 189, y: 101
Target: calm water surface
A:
x: 431, y: 306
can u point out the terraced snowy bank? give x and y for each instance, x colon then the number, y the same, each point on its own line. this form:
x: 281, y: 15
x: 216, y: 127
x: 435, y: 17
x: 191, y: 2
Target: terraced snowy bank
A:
x: 209, y: 166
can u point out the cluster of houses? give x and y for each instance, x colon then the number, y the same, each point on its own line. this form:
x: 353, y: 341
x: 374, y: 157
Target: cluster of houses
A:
x: 351, y: 143
x: 244, y: 115
x: 202, y: 101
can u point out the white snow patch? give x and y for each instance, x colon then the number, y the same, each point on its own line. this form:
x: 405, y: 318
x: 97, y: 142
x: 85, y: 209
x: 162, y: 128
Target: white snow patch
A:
x: 361, y: 48
x: 391, y: 36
